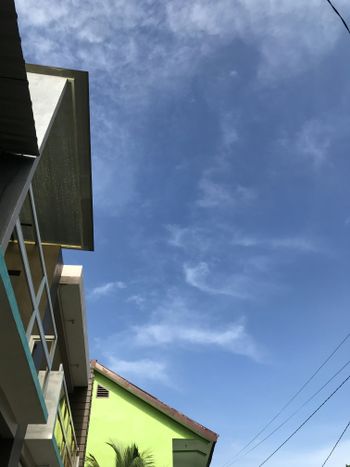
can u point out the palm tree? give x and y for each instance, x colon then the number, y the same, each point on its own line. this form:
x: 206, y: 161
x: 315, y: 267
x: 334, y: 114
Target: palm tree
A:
x: 127, y: 457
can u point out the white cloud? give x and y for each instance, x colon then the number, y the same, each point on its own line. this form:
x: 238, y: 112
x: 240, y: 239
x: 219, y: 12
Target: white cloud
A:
x: 289, y: 34
x: 106, y: 289
x: 314, y: 140
x: 241, y: 285
x: 228, y: 127
x: 145, y: 369
x: 165, y: 329
x: 189, y: 238
x: 232, y: 337
x: 217, y: 195
x: 177, y: 235
x: 151, y: 44
x: 300, y: 244
x: 154, y: 48
x: 313, y: 145
x: 137, y: 299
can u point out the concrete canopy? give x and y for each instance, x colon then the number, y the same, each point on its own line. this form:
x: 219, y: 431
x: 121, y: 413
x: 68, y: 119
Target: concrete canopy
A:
x: 62, y: 183
x: 71, y: 298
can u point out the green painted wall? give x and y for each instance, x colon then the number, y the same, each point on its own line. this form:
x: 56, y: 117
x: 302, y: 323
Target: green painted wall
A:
x: 126, y: 419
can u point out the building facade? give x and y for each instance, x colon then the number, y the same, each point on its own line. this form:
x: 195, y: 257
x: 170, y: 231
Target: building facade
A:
x: 123, y: 413
x: 45, y: 205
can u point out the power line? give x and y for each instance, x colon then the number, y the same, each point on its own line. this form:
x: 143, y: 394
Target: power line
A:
x: 287, y: 404
x: 305, y: 421
x: 340, y: 16
x: 298, y: 409
x: 336, y: 444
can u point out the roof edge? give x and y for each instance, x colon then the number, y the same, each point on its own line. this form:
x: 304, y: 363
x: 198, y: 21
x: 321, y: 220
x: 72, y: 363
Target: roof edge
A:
x: 174, y: 414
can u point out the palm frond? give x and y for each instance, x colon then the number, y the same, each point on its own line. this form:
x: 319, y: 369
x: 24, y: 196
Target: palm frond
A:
x: 131, y: 456
x: 91, y: 461
x: 118, y: 454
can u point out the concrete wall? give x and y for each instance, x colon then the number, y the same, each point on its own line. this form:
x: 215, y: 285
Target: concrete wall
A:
x: 126, y: 419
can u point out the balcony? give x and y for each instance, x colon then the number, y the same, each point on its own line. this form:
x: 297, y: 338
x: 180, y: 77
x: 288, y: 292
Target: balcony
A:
x: 54, y: 443
x: 27, y: 324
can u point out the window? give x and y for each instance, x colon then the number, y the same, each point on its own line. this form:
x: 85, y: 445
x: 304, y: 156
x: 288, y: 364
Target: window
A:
x: 101, y: 391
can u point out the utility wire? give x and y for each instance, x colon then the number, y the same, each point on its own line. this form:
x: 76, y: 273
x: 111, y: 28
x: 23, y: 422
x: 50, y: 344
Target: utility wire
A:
x: 305, y: 421
x: 287, y: 404
x: 340, y: 16
x: 292, y: 415
x: 336, y: 444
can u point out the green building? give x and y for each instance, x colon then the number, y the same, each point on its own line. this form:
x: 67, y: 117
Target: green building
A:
x: 124, y: 413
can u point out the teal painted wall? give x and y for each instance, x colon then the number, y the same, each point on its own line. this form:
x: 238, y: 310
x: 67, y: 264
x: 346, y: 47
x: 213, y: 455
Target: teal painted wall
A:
x: 125, y: 419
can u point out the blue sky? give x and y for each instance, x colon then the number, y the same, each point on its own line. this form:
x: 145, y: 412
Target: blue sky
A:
x: 220, y: 139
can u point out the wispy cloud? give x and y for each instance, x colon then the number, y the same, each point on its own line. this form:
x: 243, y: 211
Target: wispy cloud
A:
x: 146, y: 44
x: 289, y: 34
x: 314, y: 141
x: 155, y: 48
x: 240, y: 285
x: 214, y: 194
x: 188, y: 238
x: 106, y: 289
x: 233, y: 337
x: 193, y: 238
x: 137, y: 299
x: 143, y: 369
x: 300, y: 244
x: 165, y: 329
x: 177, y: 235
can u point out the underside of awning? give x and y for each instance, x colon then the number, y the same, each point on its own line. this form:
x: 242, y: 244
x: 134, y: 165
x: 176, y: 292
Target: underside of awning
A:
x: 62, y: 183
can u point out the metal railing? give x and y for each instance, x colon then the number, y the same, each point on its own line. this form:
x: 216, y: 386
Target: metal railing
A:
x: 40, y: 323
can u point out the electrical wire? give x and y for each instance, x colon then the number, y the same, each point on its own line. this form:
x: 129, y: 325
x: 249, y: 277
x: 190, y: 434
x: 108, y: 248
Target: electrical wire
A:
x: 287, y: 404
x: 340, y: 16
x: 292, y: 415
x: 304, y: 422
x: 336, y: 444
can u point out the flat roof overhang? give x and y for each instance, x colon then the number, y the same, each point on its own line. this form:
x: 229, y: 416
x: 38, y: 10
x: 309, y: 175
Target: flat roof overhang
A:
x: 72, y: 306
x: 17, y: 130
x: 62, y: 183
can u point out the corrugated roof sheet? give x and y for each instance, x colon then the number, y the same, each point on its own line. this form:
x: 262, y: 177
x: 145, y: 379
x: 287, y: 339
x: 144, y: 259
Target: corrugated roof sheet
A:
x: 17, y: 127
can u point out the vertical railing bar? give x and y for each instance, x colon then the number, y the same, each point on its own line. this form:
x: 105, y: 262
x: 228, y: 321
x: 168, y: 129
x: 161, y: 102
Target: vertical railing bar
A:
x: 24, y: 256
x: 30, y: 325
x: 41, y: 254
x: 40, y: 291
x: 38, y: 237
x: 43, y: 339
